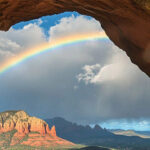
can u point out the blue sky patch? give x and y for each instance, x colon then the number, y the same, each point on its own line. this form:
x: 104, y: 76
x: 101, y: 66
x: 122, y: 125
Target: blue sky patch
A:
x: 47, y: 21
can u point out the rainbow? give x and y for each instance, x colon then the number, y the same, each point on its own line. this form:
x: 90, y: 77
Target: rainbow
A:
x: 8, y: 64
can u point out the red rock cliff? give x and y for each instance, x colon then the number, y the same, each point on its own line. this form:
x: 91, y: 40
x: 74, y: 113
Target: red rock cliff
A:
x: 23, y: 123
x: 37, y: 130
x: 126, y: 22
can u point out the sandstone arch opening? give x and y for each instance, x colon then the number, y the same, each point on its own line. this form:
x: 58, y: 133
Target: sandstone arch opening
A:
x: 90, y: 75
x: 123, y: 23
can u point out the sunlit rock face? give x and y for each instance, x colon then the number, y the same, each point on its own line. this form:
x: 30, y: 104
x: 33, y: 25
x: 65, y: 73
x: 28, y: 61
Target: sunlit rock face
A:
x: 126, y: 22
x: 28, y: 130
x: 22, y: 122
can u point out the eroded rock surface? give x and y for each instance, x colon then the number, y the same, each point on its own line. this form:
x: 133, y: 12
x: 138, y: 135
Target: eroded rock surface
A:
x: 126, y: 22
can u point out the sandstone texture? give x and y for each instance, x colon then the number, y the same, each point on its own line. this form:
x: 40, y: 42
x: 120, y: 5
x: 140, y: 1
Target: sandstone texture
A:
x: 28, y: 130
x: 126, y: 22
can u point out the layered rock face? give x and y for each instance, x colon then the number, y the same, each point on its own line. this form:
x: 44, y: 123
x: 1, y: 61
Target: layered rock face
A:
x: 35, y: 131
x: 126, y: 22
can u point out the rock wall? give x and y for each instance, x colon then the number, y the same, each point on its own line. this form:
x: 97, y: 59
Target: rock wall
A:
x: 126, y: 22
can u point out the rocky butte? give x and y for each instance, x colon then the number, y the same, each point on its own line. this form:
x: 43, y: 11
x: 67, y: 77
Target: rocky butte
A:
x: 20, y: 128
x: 126, y: 22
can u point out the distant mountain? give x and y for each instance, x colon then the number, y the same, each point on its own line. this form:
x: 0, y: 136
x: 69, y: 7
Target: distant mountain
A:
x: 17, y: 128
x: 130, y: 133
x: 77, y: 133
x: 96, y: 136
x: 144, y: 132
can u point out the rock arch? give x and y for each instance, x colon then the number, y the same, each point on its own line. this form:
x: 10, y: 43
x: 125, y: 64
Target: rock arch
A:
x: 126, y: 22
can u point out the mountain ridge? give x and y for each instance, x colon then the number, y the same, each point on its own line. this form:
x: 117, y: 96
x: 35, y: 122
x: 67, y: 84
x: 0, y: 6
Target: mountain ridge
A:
x: 96, y: 136
x: 64, y: 127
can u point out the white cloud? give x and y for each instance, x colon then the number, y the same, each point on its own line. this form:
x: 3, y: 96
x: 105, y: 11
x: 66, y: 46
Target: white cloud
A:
x: 11, y: 45
x: 118, y: 68
x: 30, y: 35
x: 68, y: 26
x: 15, y: 41
x: 89, y: 73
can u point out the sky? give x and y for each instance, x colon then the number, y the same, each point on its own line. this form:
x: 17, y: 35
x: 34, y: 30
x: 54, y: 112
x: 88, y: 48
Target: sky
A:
x: 93, y: 82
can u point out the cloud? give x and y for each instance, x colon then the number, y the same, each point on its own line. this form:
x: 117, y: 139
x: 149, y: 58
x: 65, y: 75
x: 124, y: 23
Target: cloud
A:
x: 68, y: 26
x: 110, y: 86
x: 29, y: 36
x: 119, y: 68
x: 89, y: 73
